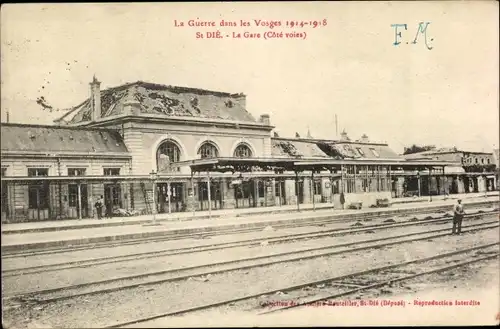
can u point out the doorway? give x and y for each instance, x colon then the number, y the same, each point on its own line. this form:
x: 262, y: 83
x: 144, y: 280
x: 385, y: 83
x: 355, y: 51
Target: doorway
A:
x: 176, y: 197
x: 300, y: 191
x: 74, y: 205
x: 112, y: 198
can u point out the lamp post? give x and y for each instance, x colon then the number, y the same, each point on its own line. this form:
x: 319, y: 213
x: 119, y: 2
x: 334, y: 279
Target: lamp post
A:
x: 169, y: 195
x: 153, y: 175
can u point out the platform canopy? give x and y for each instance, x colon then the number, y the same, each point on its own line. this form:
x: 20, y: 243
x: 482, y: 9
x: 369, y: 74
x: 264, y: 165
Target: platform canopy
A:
x: 297, y: 164
x: 330, y: 164
x: 239, y: 164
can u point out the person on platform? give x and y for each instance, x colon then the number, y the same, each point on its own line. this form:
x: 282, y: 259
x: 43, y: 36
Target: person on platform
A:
x: 458, y: 215
x: 342, y: 199
x: 98, y: 206
x: 109, y: 209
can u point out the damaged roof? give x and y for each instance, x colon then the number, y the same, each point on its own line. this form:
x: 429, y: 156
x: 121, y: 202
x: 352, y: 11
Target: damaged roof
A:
x: 35, y: 138
x: 296, y: 148
x: 170, y: 101
x: 360, y: 151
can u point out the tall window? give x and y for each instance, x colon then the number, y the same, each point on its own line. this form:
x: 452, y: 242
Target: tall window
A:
x: 73, y: 188
x: 261, y: 188
x: 208, y: 150
x: 38, y: 192
x: 317, y: 187
x: 114, y: 195
x: 5, y: 202
x: 111, y: 171
x: 167, y: 153
x: 73, y: 195
x: 242, y: 151
x: 277, y: 186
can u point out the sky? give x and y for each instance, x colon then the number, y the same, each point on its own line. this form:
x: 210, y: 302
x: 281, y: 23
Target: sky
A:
x: 400, y: 94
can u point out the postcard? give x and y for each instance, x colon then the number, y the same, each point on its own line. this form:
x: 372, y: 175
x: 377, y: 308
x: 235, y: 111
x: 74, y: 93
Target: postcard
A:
x: 250, y: 164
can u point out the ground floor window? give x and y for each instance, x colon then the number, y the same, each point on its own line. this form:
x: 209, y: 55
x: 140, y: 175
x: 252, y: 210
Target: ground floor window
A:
x: 38, y: 196
x: 261, y: 188
x: 5, y: 198
x: 277, y: 186
x: 317, y: 187
x: 203, y: 191
x: 112, y: 196
x: 244, y: 190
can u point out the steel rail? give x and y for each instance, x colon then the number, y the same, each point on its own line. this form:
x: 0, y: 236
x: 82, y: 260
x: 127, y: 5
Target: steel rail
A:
x: 224, y: 245
x: 428, y: 235
x: 318, y: 282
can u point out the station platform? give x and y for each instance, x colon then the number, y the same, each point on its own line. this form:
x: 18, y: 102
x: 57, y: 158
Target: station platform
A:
x: 58, y: 225
x: 30, y: 236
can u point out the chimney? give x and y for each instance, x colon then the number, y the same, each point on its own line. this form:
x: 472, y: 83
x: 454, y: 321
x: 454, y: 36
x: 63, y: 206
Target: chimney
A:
x: 364, y: 139
x: 241, y: 99
x: 264, y: 118
x: 95, y: 98
x: 131, y: 106
x: 344, y: 137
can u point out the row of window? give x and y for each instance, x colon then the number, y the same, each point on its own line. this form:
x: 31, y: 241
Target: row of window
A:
x: 476, y: 161
x: 169, y: 151
x: 360, y: 151
x: 40, y: 172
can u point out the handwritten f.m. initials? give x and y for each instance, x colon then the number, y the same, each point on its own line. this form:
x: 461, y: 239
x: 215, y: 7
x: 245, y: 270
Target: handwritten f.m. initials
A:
x: 422, y: 29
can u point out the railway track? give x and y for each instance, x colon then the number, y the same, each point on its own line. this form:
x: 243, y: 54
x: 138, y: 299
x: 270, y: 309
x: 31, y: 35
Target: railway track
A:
x: 134, y: 281
x: 325, y: 290
x: 310, y: 220
x: 228, y: 245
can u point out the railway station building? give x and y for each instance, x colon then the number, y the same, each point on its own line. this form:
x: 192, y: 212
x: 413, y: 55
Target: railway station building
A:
x: 150, y: 148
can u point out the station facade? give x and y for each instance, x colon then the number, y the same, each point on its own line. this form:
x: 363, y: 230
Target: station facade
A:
x: 142, y: 147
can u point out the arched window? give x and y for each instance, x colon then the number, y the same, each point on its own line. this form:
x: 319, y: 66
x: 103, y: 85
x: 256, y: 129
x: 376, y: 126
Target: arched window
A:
x: 167, y: 153
x: 208, y: 150
x: 242, y: 151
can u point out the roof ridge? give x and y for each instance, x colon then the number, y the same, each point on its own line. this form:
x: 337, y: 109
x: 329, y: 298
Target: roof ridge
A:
x: 28, y: 125
x: 187, y: 89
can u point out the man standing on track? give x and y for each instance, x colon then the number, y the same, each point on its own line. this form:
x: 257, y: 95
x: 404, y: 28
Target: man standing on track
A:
x: 458, y: 215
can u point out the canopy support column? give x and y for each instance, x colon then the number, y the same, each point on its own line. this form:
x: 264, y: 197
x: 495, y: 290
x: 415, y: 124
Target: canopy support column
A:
x: 444, y: 184
x: 192, y: 194
x: 355, y: 182
x: 429, y: 183
x: 209, y: 196
x: 297, y: 189
x: 279, y: 187
x: 390, y: 180
x: 313, y: 185
x: 79, y: 200
x: 419, y: 183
